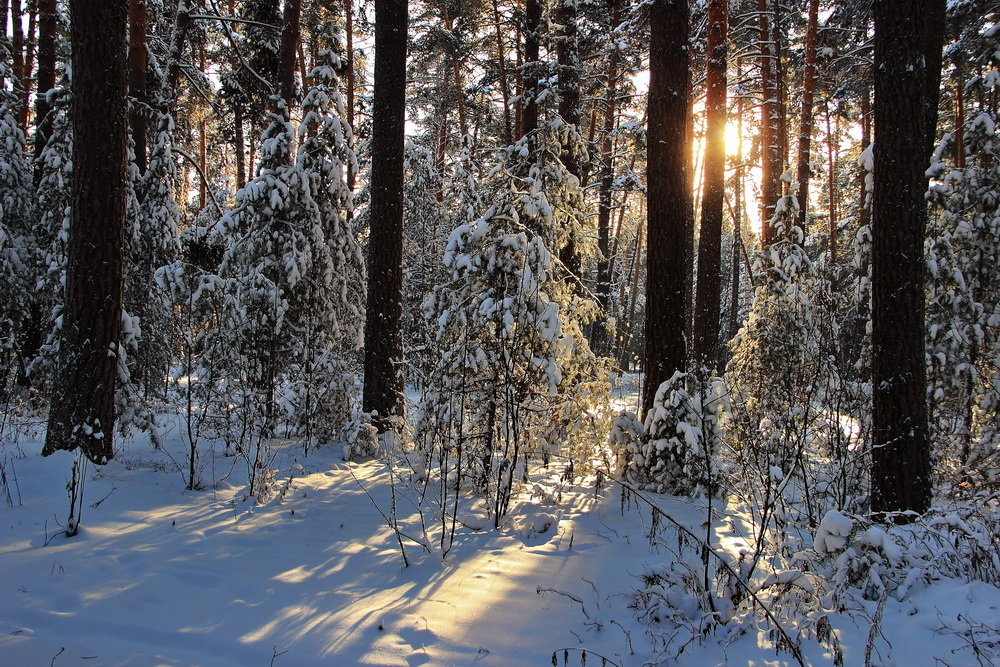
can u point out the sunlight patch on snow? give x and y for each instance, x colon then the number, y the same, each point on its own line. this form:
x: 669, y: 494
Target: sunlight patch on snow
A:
x: 296, y: 575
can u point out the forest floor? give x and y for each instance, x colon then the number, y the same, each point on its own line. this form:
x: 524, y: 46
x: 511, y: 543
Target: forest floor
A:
x: 162, y: 575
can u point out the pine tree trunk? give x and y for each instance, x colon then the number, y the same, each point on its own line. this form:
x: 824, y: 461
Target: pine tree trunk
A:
x: 504, y: 83
x: 667, y: 196
x: 349, y: 29
x: 605, y: 194
x: 29, y: 62
x: 959, y: 123
x: 568, y: 55
x: 17, y: 51
x: 202, y: 163
x: 532, y: 39
x: 831, y: 159
x: 83, y: 399
x: 907, y: 73
x: 178, y: 41
x: 770, y: 119
x: 707, y: 304
x: 383, y: 338
x: 241, y: 174
x: 48, y: 27
x: 287, y: 51
x: 4, y: 41
x: 866, y: 140
x: 806, y: 119
x: 137, y: 80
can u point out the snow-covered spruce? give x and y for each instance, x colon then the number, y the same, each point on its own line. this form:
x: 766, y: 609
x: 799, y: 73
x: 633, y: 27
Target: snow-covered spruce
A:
x: 513, y: 366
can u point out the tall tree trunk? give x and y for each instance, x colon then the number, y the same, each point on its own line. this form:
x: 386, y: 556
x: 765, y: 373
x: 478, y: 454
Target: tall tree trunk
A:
x: 667, y: 196
x: 504, y: 83
x: 626, y: 332
x: 241, y: 174
x: 4, y: 41
x: 737, y: 215
x: 287, y: 51
x: 137, y: 80
x: 568, y: 55
x: 83, y: 399
x: 866, y: 140
x: 518, y: 85
x: 202, y: 143
x: 48, y: 27
x: 17, y: 51
x: 707, y: 304
x: 934, y: 25
x: 178, y: 41
x: 383, y: 338
x: 908, y: 41
x: 349, y: 29
x: 833, y: 224
x: 530, y: 68
x: 770, y: 121
x: 959, y: 123
x: 605, y: 193
x: 29, y: 63
x: 202, y: 162
x: 806, y: 118
x: 457, y: 80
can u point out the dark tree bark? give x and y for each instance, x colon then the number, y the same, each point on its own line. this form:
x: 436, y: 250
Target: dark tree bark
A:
x: 959, y: 131
x: 17, y: 50
x: 83, y: 396
x: 832, y: 155
x: 241, y: 173
x: 568, y: 54
x: 605, y: 193
x: 770, y: 120
x: 667, y: 203
x: 908, y: 45
x: 137, y: 80
x: 4, y: 42
x: 707, y: 302
x: 349, y: 29
x: 383, y: 338
x: 502, y: 65
x: 866, y: 140
x: 178, y: 42
x: 48, y: 28
x: 806, y: 118
x: 287, y: 51
x: 933, y: 40
x: 532, y: 39
x: 29, y: 63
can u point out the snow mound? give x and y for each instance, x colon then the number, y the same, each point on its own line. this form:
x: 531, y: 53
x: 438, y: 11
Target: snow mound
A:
x: 832, y: 534
x: 533, y: 525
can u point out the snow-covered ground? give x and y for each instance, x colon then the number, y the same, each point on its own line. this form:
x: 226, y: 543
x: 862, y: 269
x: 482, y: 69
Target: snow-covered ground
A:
x: 161, y: 575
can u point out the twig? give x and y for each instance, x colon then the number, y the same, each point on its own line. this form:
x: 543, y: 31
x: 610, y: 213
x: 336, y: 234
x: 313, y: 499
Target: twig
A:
x: 275, y: 654
x: 875, y: 630
x: 628, y: 636
x: 389, y: 522
x: 97, y: 504
x: 539, y: 590
x: 211, y: 195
